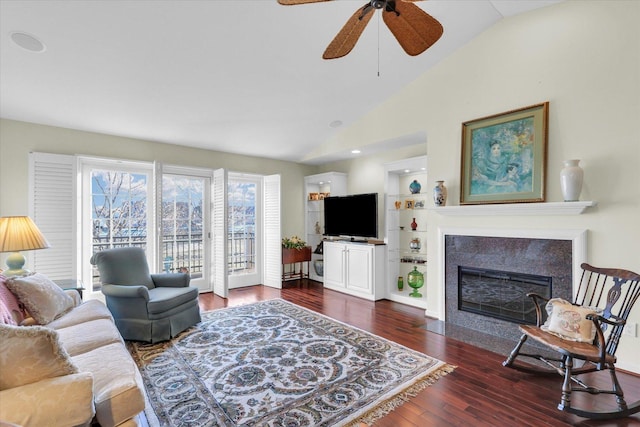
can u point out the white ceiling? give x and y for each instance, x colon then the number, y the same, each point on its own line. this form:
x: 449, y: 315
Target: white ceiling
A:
x: 241, y: 76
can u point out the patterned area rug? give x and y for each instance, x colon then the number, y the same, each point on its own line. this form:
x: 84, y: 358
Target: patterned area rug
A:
x: 273, y: 363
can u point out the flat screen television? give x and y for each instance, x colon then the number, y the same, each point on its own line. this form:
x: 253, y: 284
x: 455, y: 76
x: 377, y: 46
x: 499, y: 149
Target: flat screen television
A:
x: 354, y: 216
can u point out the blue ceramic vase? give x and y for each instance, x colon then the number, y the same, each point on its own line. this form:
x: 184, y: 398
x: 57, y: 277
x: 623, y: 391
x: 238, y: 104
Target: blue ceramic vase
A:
x: 415, y: 187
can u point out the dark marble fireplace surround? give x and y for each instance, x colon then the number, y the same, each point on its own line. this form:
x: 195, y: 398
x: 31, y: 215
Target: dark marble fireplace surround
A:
x: 545, y: 257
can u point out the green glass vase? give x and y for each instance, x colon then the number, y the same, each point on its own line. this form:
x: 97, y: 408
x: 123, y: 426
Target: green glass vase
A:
x: 415, y: 279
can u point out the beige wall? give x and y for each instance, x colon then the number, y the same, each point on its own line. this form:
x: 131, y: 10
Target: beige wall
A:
x: 17, y: 139
x: 581, y: 56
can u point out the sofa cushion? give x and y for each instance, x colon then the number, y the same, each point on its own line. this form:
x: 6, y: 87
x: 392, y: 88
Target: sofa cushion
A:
x: 30, y: 354
x: 78, y: 339
x: 85, y: 312
x: 11, y: 310
x: 59, y: 401
x: 44, y: 300
x: 117, y: 385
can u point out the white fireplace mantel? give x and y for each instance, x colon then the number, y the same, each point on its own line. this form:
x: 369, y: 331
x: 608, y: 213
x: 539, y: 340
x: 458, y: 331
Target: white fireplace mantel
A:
x: 521, y: 209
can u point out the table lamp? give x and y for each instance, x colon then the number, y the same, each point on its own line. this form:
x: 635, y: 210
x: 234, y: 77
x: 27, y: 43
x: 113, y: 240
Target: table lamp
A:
x: 19, y: 233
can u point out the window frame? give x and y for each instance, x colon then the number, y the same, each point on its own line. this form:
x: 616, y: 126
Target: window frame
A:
x: 86, y: 165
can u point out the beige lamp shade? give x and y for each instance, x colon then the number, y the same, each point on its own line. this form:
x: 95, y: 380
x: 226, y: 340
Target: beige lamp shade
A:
x: 19, y: 233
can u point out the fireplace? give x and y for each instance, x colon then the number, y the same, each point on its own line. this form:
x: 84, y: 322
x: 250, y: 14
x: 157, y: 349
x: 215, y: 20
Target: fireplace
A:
x: 549, y: 259
x: 500, y: 294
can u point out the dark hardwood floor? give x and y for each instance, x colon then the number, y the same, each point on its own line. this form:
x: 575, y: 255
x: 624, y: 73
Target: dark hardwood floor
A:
x: 480, y: 392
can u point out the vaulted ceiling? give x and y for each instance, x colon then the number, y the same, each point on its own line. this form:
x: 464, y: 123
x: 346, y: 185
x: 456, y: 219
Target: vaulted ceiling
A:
x: 240, y: 76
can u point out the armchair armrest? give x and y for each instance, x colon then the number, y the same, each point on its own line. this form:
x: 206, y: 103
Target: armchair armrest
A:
x: 537, y: 302
x: 64, y: 400
x: 171, y: 280
x: 598, y: 318
x: 122, y: 291
x: 599, y: 340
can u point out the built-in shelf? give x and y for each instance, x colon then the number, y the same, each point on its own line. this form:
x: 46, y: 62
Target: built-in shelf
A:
x: 521, y: 209
x: 404, y: 208
x: 335, y: 184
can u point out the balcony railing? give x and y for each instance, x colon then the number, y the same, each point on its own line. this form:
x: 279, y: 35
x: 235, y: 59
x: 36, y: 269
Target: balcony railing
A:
x: 186, y: 253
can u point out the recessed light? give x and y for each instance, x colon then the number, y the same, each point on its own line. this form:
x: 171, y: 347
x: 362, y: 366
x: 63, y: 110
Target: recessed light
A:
x: 407, y: 170
x: 28, y: 42
x: 335, y: 124
x: 355, y: 151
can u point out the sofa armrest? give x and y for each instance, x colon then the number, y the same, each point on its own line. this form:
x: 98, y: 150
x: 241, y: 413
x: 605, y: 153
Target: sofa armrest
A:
x: 60, y: 401
x: 122, y: 291
x: 75, y: 295
x: 171, y: 280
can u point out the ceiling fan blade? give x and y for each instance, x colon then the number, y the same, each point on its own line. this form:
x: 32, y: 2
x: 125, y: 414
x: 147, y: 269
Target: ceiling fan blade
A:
x: 292, y: 2
x: 414, y: 29
x: 346, y: 39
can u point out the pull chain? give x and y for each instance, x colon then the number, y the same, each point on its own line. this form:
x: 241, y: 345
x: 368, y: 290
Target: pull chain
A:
x: 379, y: 44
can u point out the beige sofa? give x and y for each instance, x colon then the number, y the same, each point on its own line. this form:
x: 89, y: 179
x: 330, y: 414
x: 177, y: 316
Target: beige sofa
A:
x: 73, y: 370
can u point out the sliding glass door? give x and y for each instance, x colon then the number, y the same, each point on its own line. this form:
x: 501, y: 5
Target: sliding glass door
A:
x: 118, y: 212
x: 184, y: 218
x: 243, y: 227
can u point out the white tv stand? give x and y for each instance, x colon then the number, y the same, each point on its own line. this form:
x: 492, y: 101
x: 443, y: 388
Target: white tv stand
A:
x: 355, y: 268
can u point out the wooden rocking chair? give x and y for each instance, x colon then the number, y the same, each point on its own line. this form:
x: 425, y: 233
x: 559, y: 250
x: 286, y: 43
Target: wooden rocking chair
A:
x: 621, y: 288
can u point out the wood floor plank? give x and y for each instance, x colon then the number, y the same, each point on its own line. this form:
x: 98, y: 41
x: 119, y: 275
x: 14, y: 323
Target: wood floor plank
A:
x: 480, y: 392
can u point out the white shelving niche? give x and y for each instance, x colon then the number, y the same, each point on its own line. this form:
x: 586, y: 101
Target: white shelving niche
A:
x: 333, y: 184
x: 399, y: 234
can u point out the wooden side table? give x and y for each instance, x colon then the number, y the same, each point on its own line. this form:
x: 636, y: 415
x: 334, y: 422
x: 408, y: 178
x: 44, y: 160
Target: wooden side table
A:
x: 295, y: 256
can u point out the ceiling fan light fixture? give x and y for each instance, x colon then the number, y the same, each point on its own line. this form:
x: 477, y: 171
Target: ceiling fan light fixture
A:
x: 414, y: 29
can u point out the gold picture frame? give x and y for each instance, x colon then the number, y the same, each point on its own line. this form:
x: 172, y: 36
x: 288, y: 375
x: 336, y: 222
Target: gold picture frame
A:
x: 504, y: 157
x: 409, y: 203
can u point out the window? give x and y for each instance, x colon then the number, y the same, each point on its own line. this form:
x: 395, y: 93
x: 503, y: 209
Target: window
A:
x: 87, y: 204
x: 184, y: 244
x: 117, y: 211
x: 241, y: 226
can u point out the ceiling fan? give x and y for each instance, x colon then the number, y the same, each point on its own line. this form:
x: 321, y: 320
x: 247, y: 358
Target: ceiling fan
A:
x: 414, y: 29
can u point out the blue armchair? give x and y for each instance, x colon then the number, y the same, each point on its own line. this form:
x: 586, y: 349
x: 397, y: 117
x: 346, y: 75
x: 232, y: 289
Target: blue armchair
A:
x: 146, y: 307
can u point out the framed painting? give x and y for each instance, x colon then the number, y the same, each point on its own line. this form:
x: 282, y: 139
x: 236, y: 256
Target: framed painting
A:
x: 504, y: 157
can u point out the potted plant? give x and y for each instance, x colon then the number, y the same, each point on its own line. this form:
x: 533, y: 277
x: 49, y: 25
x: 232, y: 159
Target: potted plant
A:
x: 294, y: 249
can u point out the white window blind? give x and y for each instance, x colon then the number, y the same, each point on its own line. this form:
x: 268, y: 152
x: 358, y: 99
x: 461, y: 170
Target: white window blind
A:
x: 53, y: 207
x: 272, y: 240
x: 219, y: 226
